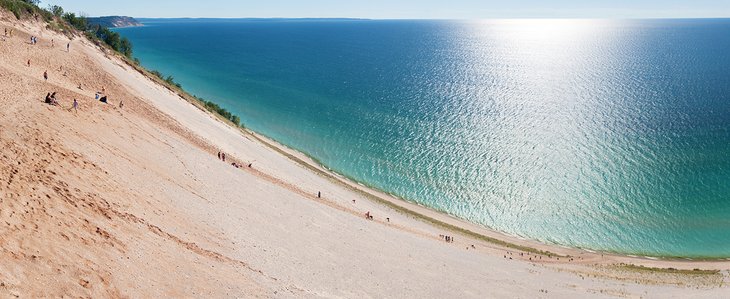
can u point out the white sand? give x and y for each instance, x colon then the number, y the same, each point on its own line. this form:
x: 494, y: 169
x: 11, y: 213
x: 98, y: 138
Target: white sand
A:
x: 133, y: 202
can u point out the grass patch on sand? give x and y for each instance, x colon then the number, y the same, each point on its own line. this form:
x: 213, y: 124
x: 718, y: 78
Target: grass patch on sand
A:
x: 670, y: 270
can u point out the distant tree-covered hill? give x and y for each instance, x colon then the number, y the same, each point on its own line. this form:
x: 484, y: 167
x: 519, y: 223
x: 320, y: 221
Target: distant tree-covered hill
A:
x: 114, y: 21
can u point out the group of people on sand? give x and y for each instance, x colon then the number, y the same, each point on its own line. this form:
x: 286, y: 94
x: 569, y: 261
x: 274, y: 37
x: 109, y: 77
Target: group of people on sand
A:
x: 537, y: 257
x: 102, y: 97
x: 369, y: 216
x: 222, y: 157
x: 448, y: 239
x: 34, y: 39
x: 51, y: 100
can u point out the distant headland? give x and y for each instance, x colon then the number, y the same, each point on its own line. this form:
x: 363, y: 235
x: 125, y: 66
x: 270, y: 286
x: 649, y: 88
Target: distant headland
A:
x: 115, y: 21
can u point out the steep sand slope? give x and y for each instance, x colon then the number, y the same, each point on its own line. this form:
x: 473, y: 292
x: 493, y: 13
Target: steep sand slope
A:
x: 133, y: 202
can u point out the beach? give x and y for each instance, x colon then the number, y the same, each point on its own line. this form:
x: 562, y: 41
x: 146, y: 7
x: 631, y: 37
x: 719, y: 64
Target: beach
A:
x: 133, y: 202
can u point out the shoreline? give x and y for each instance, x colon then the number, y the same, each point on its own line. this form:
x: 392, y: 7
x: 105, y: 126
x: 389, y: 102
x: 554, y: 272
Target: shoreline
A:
x: 474, y: 230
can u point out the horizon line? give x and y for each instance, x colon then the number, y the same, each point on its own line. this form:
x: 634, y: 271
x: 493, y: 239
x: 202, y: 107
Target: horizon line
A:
x: 421, y: 19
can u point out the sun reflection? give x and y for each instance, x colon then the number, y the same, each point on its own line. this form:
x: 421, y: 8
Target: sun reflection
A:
x: 542, y: 29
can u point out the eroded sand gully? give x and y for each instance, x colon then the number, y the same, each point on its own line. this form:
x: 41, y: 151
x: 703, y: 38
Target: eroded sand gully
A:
x: 132, y: 202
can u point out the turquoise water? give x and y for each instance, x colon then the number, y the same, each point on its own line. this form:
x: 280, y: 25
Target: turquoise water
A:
x: 608, y: 135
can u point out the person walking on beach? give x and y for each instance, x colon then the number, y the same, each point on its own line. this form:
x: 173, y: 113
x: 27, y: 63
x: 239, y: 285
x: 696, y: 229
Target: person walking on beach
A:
x: 219, y: 155
x: 223, y: 156
x: 75, y: 107
x: 121, y: 104
x: 45, y: 75
x: 28, y: 62
x: 68, y: 47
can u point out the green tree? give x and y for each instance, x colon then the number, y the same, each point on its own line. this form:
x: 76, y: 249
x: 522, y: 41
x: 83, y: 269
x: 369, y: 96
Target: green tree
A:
x: 236, y: 120
x: 125, y: 47
x: 80, y: 23
x: 56, y: 10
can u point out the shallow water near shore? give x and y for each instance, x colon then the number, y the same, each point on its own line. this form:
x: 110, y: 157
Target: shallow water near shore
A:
x: 607, y: 135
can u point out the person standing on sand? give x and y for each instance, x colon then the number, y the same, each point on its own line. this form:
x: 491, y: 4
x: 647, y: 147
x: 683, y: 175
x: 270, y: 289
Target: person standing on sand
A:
x: 68, y: 47
x: 121, y: 104
x: 28, y: 62
x: 45, y: 75
x: 219, y: 155
x: 75, y: 107
x: 223, y: 156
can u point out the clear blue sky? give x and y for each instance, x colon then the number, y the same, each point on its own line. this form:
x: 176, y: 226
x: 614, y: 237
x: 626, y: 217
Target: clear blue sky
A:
x: 402, y: 9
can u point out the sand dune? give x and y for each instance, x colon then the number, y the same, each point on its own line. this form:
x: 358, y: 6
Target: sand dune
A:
x: 133, y: 202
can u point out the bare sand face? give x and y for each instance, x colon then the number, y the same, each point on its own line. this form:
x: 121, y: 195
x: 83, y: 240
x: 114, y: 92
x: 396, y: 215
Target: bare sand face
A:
x: 133, y: 202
